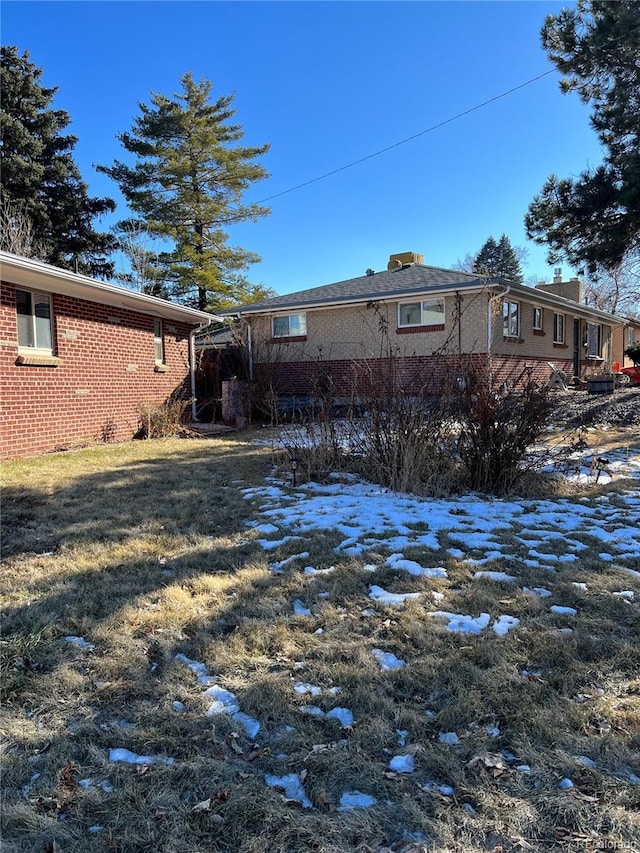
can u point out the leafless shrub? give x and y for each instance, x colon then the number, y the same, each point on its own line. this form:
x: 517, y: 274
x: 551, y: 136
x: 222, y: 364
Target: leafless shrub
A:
x: 497, y: 430
x: 162, y: 421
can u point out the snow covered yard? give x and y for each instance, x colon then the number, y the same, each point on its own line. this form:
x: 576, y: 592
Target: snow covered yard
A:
x: 197, y: 656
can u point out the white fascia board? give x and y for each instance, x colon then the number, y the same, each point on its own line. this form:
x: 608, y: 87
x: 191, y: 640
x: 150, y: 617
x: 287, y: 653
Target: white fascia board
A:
x: 564, y: 305
x: 36, y: 275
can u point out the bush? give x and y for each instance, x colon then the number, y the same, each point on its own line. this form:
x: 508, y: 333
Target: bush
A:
x: 497, y: 431
x: 162, y: 421
x: 633, y: 352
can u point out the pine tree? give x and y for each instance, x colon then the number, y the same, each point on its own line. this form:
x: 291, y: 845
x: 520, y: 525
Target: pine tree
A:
x: 38, y: 175
x: 499, y: 260
x: 594, y: 219
x: 187, y: 183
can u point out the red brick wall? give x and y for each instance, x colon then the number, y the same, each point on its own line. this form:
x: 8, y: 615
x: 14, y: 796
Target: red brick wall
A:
x: 411, y: 374
x: 94, y: 394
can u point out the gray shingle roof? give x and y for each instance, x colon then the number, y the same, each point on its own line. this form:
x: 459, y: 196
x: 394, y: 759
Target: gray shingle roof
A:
x: 414, y: 278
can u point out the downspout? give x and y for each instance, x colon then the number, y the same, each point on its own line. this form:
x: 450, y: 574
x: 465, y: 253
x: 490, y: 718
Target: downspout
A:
x: 492, y: 299
x: 192, y: 364
x: 250, y: 348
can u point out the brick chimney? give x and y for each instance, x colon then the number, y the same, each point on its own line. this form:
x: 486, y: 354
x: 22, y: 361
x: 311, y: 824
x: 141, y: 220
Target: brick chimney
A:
x: 572, y: 289
x: 404, y: 259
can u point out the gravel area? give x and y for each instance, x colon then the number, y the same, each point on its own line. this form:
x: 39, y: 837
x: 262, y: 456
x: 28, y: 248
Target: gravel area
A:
x: 577, y: 408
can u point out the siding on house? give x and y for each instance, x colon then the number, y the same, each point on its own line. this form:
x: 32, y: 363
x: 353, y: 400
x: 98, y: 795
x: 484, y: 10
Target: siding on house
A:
x: 346, y: 342
x: 106, y: 370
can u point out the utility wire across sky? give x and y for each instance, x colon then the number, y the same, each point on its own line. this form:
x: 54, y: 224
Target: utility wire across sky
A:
x: 409, y: 138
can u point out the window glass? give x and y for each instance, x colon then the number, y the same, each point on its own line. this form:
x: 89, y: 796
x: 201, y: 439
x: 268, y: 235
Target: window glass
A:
x: 511, y: 319
x: 558, y: 328
x: 158, y: 343
x: 430, y: 312
x: 34, y: 320
x: 410, y: 314
x: 42, y: 321
x: 433, y: 312
x: 298, y: 324
x: 25, y: 322
x: 291, y: 325
x: 594, y: 338
x: 537, y: 318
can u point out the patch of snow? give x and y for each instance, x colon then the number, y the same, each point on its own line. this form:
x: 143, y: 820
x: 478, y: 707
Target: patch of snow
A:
x: 277, y: 568
x: 224, y: 702
x: 299, y: 609
x: 342, y: 715
x: 351, y: 800
x: 450, y: 738
x: 463, y: 624
x: 563, y: 611
x: 504, y: 624
x: 199, y: 668
x: 387, y: 660
x: 80, y: 642
x: 627, y: 594
x: 124, y: 756
x: 393, y: 599
x: 178, y: 707
x: 494, y: 576
x: 292, y: 787
x: 310, y: 570
x: 402, y: 764
x: 302, y: 688
x: 581, y: 586
x: 397, y: 561
x: 251, y: 726
x: 537, y: 590
x: 565, y: 784
x: 494, y: 731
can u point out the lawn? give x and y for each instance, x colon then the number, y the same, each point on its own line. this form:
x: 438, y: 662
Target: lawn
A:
x: 197, y: 656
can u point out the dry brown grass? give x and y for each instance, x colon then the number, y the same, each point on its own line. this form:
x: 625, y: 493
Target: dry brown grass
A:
x: 143, y: 550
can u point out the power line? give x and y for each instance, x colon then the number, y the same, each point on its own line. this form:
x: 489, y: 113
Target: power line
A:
x: 409, y: 138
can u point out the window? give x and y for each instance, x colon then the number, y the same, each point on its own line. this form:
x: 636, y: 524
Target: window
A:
x: 537, y: 319
x: 511, y: 319
x: 289, y: 326
x: 630, y: 336
x: 158, y: 342
x: 34, y: 320
x: 594, y: 340
x: 429, y: 312
x: 558, y: 328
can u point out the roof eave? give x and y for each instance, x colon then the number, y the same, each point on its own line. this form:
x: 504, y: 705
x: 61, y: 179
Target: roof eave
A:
x: 30, y: 273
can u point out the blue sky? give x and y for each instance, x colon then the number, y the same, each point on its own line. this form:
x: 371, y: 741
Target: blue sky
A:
x: 328, y: 83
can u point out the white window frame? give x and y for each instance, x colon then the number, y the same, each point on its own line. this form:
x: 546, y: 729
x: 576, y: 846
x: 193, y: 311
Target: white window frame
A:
x: 559, y: 328
x: 31, y: 345
x: 158, y: 341
x: 300, y: 323
x: 425, y: 312
x: 510, y: 319
x: 594, y: 331
x: 538, y: 312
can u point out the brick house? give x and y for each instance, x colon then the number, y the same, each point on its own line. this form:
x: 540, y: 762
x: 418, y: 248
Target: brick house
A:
x: 78, y: 357
x: 435, y: 321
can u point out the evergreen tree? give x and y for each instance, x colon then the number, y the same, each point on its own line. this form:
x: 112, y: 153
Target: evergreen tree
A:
x: 38, y: 175
x: 187, y: 184
x: 595, y: 219
x: 499, y: 260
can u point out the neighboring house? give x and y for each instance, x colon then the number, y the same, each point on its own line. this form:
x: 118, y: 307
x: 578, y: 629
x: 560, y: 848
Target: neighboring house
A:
x: 623, y: 338
x: 437, y: 323
x: 79, y: 357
